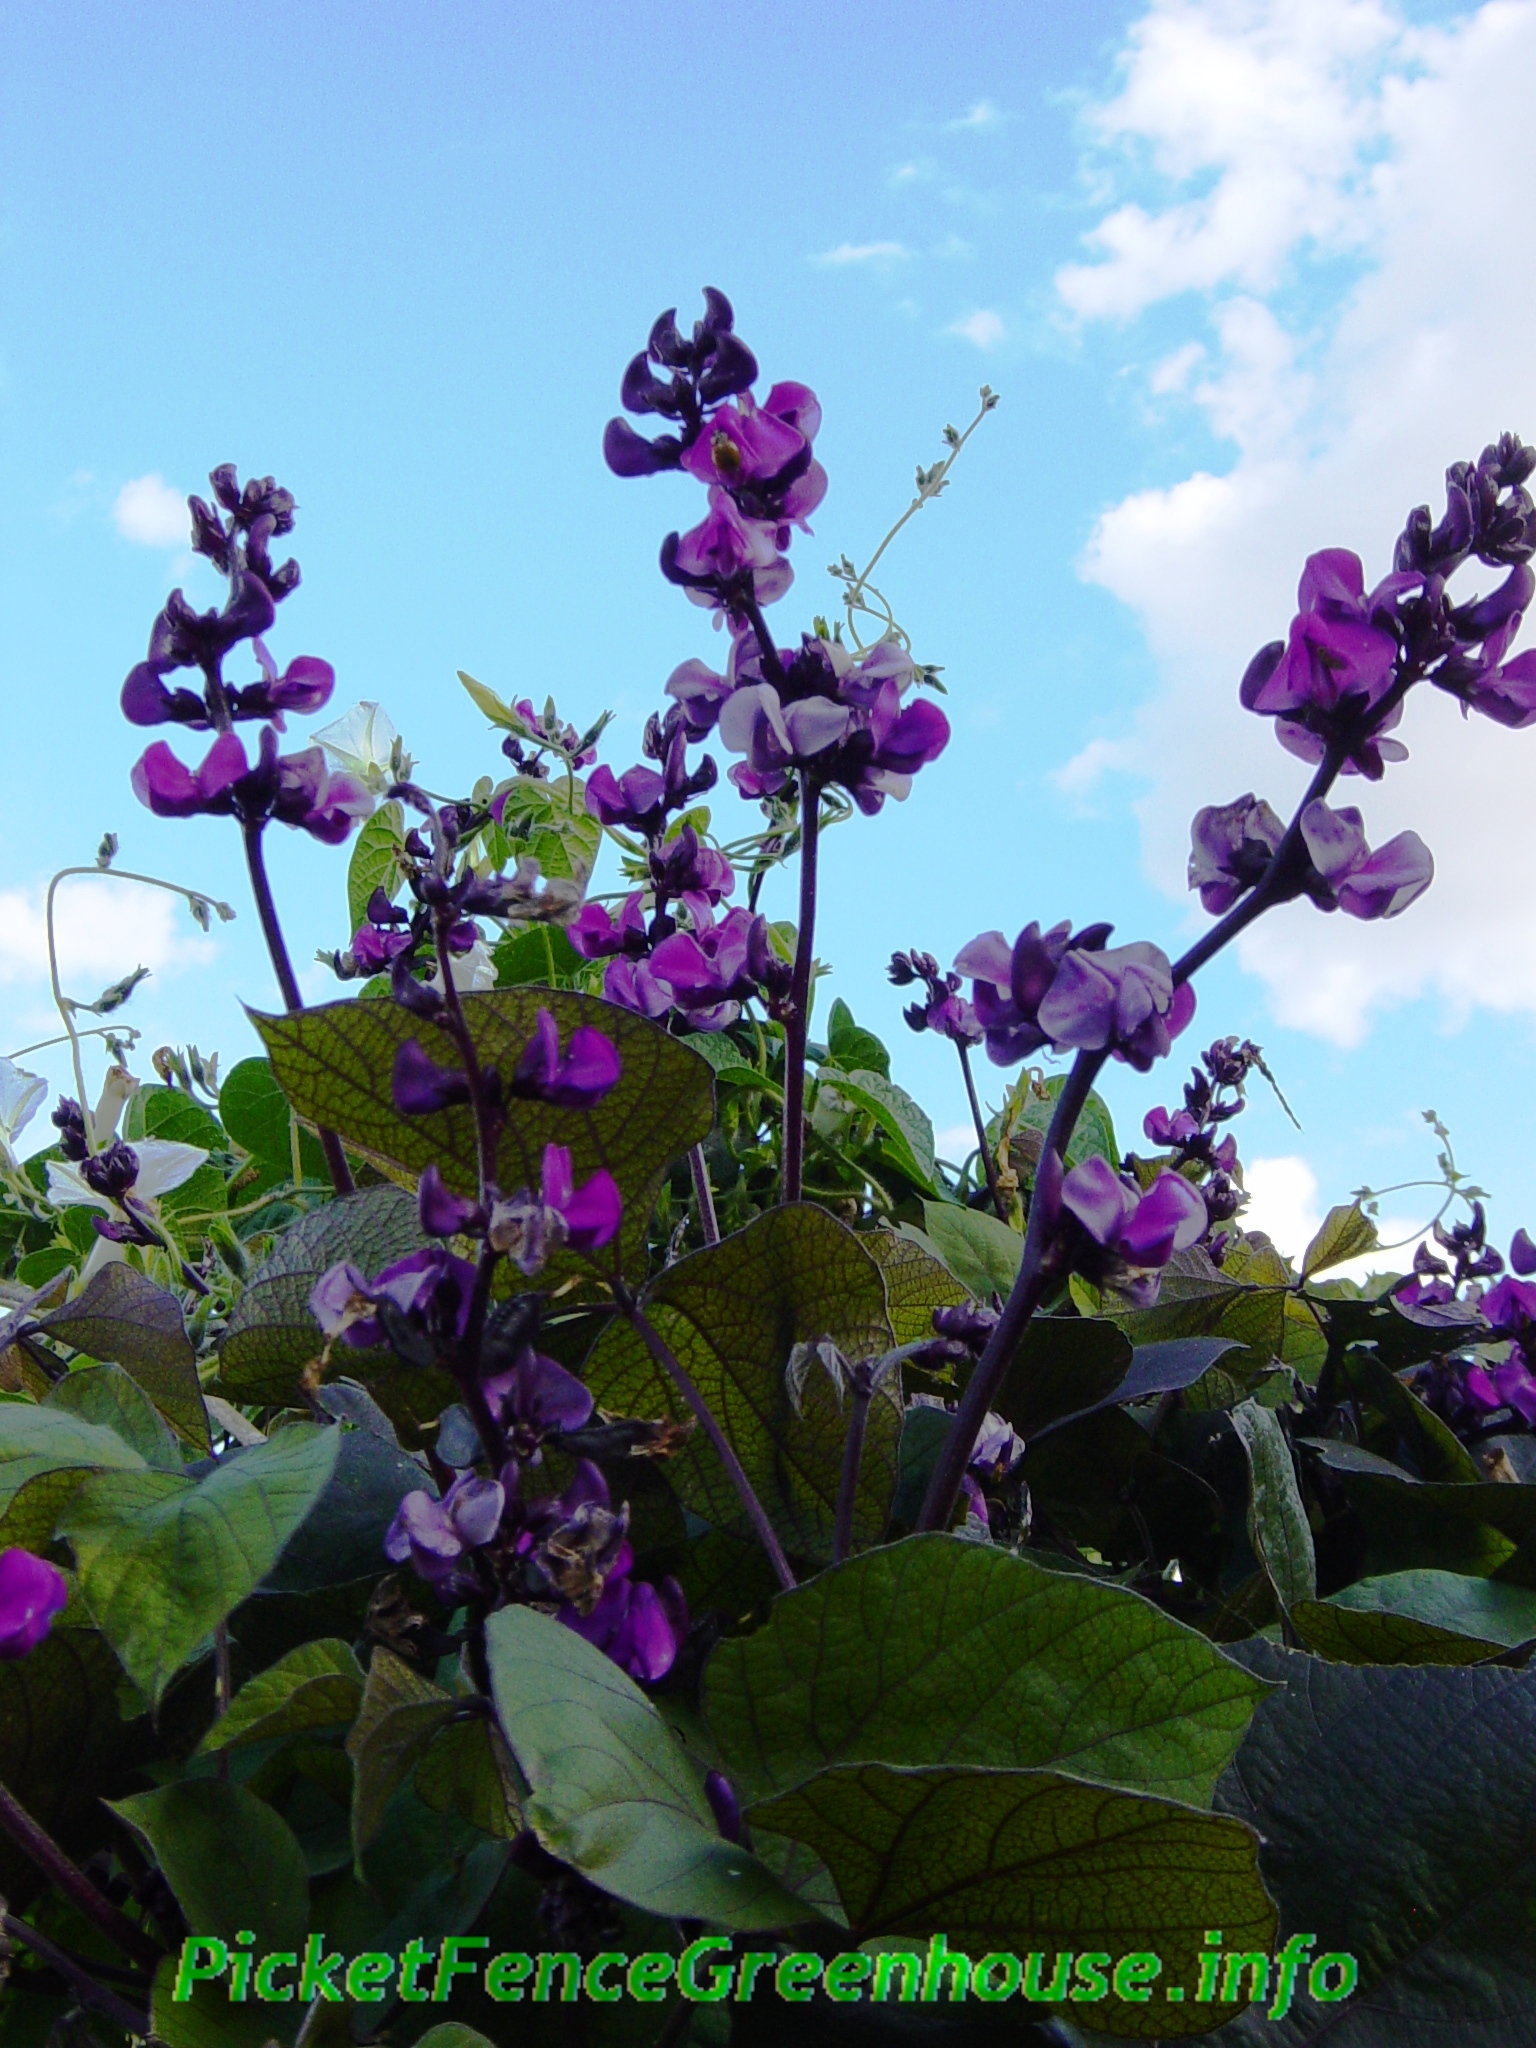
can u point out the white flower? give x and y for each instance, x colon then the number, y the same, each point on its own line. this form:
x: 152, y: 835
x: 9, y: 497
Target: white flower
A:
x: 117, y: 1091
x: 473, y: 971
x: 364, y: 743
x: 162, y: 1166
x: 20, y: 1093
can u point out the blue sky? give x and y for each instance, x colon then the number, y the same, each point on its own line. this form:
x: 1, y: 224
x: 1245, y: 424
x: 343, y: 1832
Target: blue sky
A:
x: 1222, y: 258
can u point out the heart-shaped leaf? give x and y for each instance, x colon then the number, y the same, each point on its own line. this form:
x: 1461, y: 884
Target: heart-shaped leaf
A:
x: 318, y: 1685
x: 120, y: 1317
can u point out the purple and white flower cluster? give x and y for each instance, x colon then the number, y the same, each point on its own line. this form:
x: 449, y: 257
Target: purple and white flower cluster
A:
x: 1071, y: 992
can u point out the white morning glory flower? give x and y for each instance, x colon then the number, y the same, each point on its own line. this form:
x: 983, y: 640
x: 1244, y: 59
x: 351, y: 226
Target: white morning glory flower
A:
x: 364, y: 742
x: 20, y: 1093
x: 162, y: 1166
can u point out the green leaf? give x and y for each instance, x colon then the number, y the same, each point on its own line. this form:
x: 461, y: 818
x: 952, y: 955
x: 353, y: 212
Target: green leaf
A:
x: 1028, y: 1860
x: 271, y: 1336
x: 1066, y: 1364
x: 852, y: 1047
x: 104, y: 1394
x: 1416, y: 1436
x: 1277, y: 1519
x: 915, y: 1284
x: 257, y: 1116
x: 375, y: 862
x: 317, y: 1685
x: 542, y: 953
x: 335, y: 1064
x: 1473, y: 1529
x: 982, y: 1253
x: 467, y: 1769
x: 400, y: 1713
x: 908, y: 1142
x: 1093, y: 1136
x: 939, y: 1650
x: 731, y: 1067
x: 1470, y: 1606
x: 1395, y: 1811
x: 613, y: 1792
x: 342, y: 1537
x: 1245, y: 1300
x: 45, y: 1454
x: 452, y: 2035
x: 731, y: 1315
x: 1347, y: 1636
x: 63, y: 1741
x: 1154, y: 1369
x: 1346, y: 1232
x: 121, y: 1317
x: 172, y: 1114
x: 162, y: 1560
x: 231, y: 1861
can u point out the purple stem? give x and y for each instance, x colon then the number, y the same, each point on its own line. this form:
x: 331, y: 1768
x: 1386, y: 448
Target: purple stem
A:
x: 40, y: 1848
x: 282, y: 966
x: 848, y: 1482
x: 704, y: 1195
x: 1034, y: 1276
x: 80, y: 1981
x: 797, y: 1023
x: 988, y: 1163
x: 678, y: 1373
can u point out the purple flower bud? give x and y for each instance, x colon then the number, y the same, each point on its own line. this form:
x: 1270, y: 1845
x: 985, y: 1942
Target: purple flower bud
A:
x: 443, y: 1213
x: 421, y: 1086
x: 535, y: 1397
x: 69, y: 1122
x: 723, y: 1804
x: 32, y: 1592
x: 112, y: 1172
x: 1522, y: 1252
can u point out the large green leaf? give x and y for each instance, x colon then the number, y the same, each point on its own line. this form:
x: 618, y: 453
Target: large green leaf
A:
x: 121, y: 1317
x: 731, y: 1315
x: 105, y: 1394
x: 1444, y: 1526
x: 851, y: 1046
x: 375, y: 862
x: 908, y: 1139
x: 938, y: 1650
x: 1346, y: 1232
x: 1065, y: 1364
x: 613, y: 1791
x: 335, y: 1064
x: 163, y: 1559
x: 318, y: 1685
x: 1397, y: 1810
x: 1419, y: 1617
x: 45, y: 1454
x: 231, y: 1861
x: 400, y: 1714
x: 342, y: 1536
x: 258, y: 1117
x: 1093, y: 1135
x: 63, y: 1740
x: 271, y: 1335
x: 1245, y: 1300
x: 915, y: 1284
x: 1277, y: 1518
x: 1019, y: 1861
x: 982, y: 1253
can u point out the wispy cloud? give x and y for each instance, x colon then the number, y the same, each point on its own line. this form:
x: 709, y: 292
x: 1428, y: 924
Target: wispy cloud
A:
x: 985, y: 114
x: 984, y: 328
x: 861, y: 252
x: 147, y: 510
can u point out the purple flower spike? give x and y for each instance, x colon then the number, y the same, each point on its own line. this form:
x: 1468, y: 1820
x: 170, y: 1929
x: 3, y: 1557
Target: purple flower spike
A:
x: 433, y: 1535
x: 1354, y: 879
x: 421, y: 1085
x: 589, y: 1071
x: 32, y: 1592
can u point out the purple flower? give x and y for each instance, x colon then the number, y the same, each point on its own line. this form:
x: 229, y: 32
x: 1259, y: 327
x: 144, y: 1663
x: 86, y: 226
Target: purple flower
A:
x: 633, y: 986
x: 297, y: 789
x: 443, y: 1213
x: 635, y: 800
x: 595, y: 934
x: 431, y: 1288
x: 995, y: 1454
x: 1503, y: 1385
x: 532, y: 1398
x: 639, y: 1626
x: 32, y: 1592
x: 1011, y: 982
x: 433, y: 1535
x: 1122, y: 1000
x: 1339, y: 661
x: 1139, y: 1232
x: 588, y: 1072
x: 726, y: 552
x: 1522, y: 1253
x: 1232, y: 845
x: 421, y: 1086
x: 1349, y: 877
x: 184, y: 638
x: 683, y: 868
x: 723, y: 1804
x: 1509, y: 1307
x: 709, y: 970
x: 375, y: 946
x: 529, y: 1227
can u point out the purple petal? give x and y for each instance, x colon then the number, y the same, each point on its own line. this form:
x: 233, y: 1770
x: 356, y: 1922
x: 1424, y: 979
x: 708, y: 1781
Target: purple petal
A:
x: 32, y: 1592
x: 1099, y: 1199
x: 422, y: 1086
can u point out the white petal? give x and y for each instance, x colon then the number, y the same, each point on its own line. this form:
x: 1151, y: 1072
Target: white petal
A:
x: 361, y: 739
x: 20, y: 1093
x: 66, y: 1189
x: 164, y: 1165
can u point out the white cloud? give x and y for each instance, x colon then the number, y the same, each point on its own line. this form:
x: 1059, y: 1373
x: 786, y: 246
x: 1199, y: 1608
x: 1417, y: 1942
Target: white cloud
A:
x: 1080, y: 779
x: 985, y: 114
x: 860, y: 252
x: 1285, y: 1202
x: 1174, y: 371
x: 1417, y: 364
x: 149, y: 511
x: 985, y: 328
x: 103, y: 931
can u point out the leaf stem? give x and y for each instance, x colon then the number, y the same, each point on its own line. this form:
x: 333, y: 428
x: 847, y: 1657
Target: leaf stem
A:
x: 797, y: 1023
x: 80, y: 1981
x: 704, y: 1195
x: 282, y: 967
x: 988, y: 1163
x: 680, y: 1377
x: 39, y: 1847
